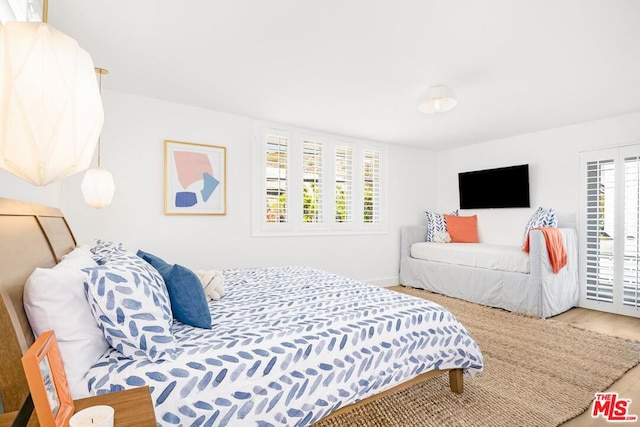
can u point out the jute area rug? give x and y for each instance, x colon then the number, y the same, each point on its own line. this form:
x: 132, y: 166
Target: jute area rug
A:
x: 537, y: 373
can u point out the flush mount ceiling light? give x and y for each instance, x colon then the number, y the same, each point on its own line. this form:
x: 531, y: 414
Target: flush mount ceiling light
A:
x: 438, y: 99
x: 50, y: 109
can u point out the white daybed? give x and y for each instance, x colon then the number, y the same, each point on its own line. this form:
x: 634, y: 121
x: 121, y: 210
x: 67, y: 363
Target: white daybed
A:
x: 496, y: 276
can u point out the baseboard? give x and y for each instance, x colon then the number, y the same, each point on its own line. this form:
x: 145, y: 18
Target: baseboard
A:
x: 385, y: 282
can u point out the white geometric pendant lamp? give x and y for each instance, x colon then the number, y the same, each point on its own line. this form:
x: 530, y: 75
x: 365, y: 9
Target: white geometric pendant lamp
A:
x: 50, y: 109
x: 97, y: 185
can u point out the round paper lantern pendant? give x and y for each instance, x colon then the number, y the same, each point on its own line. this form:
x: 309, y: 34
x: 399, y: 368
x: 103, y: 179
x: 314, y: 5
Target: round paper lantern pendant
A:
x: 98, y: 187
x: 50, y: 110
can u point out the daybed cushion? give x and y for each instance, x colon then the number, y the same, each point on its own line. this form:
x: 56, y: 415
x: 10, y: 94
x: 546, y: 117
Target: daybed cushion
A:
x: 492, y: 257
x: 54, y: 299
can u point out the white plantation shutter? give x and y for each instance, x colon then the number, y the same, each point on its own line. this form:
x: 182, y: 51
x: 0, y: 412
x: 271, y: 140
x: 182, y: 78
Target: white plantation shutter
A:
x: 306, y: 183
x: 276, y: 185
x: 344, y: 184
x: 600, y: 229
x: 312, y: 182
x: 630, y: 290
x: 371, y: 186
x: 610, y: 227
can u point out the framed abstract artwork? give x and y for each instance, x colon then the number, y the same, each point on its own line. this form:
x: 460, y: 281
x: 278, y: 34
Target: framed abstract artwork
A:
x: 48, y: 382
x: 194, y: 179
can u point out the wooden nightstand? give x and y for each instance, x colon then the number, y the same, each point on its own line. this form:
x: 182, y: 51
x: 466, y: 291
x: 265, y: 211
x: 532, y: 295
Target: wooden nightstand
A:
x: 133, y: 408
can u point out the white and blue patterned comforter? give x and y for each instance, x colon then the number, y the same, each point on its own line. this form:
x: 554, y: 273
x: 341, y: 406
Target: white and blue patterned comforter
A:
x: 289, y: 345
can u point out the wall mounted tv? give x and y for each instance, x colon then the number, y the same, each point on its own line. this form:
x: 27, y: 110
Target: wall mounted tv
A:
x: 495, y: 188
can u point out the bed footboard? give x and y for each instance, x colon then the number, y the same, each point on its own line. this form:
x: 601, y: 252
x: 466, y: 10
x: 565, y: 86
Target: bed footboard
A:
x: 456, y: 381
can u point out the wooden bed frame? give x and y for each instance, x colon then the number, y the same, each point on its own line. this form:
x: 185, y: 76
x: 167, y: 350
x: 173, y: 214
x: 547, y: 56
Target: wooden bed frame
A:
x: 38, y: 236
x: 30, y: 236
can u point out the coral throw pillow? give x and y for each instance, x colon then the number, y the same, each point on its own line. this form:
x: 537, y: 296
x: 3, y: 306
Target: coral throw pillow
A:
x: 462, y: 229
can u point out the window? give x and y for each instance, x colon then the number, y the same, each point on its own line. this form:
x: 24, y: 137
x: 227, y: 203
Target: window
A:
x: 371, y: 187
x: 308, y: 183
x: 611, y: 229
x: 344, y: 184
x: 311, y: 182
x: 630, y: 279
x: 600, y: 224
x: 276, y: 150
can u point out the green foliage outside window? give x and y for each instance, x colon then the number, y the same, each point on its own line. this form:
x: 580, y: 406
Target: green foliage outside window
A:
x: 341, y: 204
x: 368, y: 203
x: 310, y: 203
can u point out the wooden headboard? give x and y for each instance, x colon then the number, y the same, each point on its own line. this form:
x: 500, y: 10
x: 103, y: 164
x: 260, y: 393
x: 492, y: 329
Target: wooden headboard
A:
x: 30, y: 236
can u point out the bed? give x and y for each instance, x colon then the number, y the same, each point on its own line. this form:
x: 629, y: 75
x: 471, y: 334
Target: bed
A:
x: 290, y: 345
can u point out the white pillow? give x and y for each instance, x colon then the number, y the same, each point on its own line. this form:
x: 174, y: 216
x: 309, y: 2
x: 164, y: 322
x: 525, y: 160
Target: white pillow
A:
x: 78, y: 258
x: 54, y: 298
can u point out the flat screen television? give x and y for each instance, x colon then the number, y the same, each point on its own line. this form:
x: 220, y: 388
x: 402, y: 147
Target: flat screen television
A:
x: 506, y: 187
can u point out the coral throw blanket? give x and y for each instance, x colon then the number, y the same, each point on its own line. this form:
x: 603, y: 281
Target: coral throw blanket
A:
x: 555, y: 247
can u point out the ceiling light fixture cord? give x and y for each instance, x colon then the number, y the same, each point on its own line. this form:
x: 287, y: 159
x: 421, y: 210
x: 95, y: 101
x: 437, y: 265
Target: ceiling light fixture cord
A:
x: 100, y: 71
x: 99, y: 90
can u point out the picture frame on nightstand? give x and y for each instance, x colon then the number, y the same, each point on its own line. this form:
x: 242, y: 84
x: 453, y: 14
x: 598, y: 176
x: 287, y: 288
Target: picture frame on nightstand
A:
x: 47, y: 382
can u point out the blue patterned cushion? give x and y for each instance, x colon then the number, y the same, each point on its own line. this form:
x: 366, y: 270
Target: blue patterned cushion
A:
x: 129, y: 302
x: 126, y: 258
x: 188, y: 301
x: 104, y: 249
x: 436, y: 224
x: 542, y: 217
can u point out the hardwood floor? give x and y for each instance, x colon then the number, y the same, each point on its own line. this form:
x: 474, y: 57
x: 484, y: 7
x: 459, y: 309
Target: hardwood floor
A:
x: 628, y: 386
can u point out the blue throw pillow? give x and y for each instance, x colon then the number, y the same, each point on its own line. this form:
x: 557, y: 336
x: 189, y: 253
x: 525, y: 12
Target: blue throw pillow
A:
x: 151, y: 259
x: 188, y: 301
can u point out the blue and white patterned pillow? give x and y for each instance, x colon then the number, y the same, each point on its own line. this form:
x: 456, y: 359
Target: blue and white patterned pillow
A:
x: 436, y: 224
x: 117, y: 255
x: 129, y: 302
x: 542, y: 217
x: 104, y: 249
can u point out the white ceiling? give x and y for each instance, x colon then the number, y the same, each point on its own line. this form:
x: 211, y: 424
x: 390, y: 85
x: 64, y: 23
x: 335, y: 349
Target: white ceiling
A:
x: 359, y: 67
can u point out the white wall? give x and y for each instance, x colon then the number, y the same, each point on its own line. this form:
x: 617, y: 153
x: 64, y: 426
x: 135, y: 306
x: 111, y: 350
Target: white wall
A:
x: 132, y: 149
x: 553, y: 158
x: 12, y: 187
